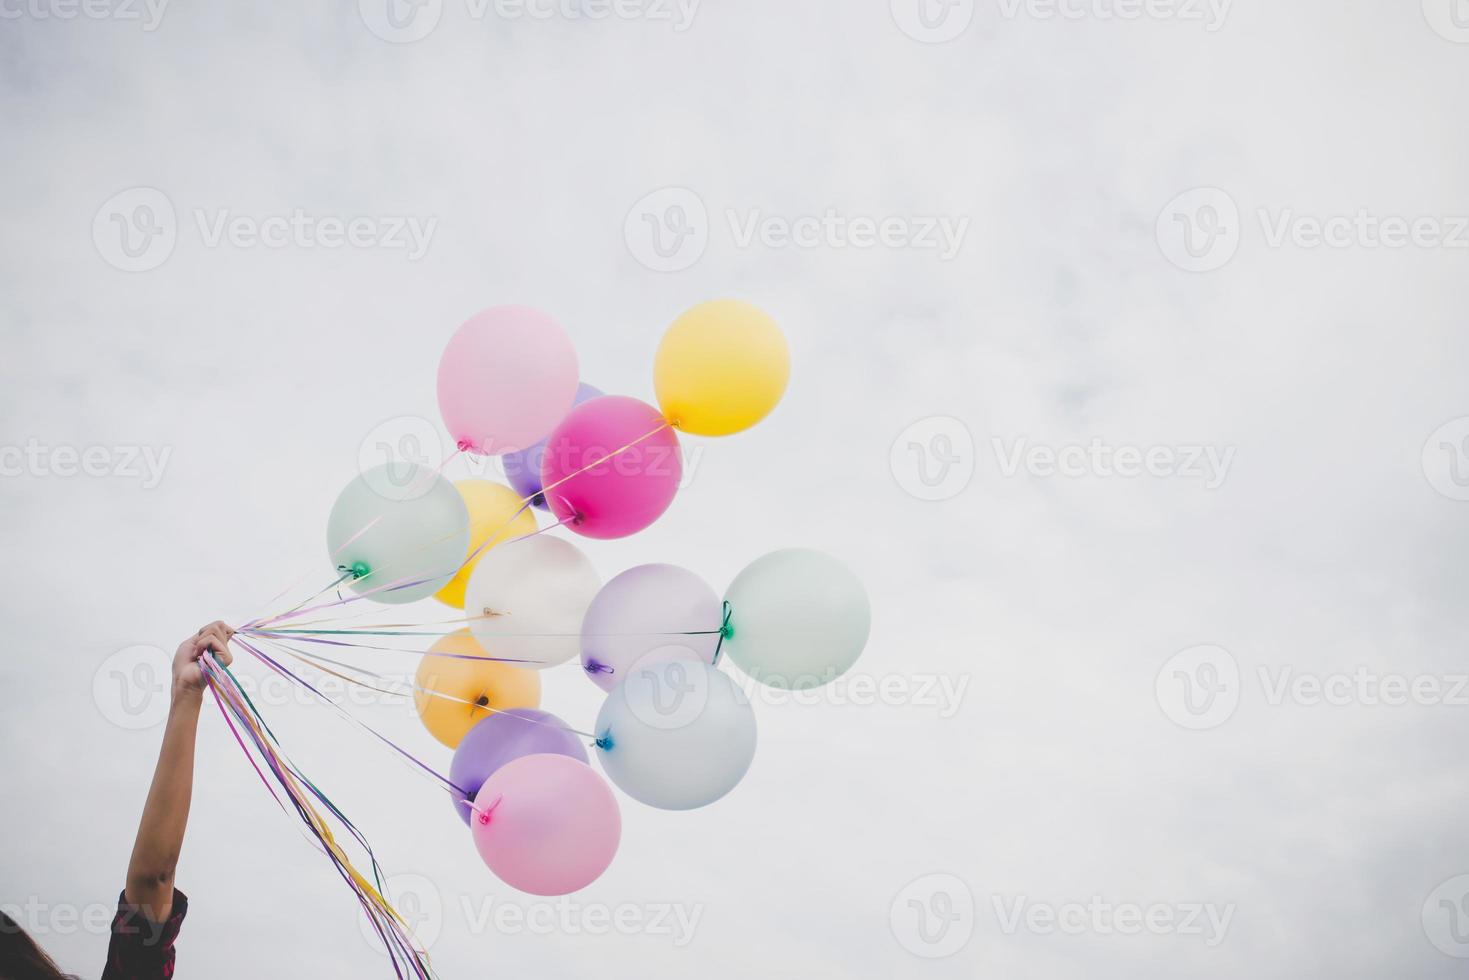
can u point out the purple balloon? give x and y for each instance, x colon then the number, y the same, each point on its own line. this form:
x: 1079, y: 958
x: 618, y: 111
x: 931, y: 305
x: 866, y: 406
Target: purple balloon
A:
x: 523, y: 469
x: 503, y: 737
x: 648, y: 608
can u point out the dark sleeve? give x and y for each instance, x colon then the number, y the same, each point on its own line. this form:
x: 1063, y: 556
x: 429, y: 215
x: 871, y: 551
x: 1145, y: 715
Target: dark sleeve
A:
x: 142, y: 949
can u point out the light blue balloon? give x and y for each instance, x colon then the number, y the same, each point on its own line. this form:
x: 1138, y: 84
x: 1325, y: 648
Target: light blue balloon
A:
x: 398, y: 522
x: 798, y: 619
x: 676, y: 733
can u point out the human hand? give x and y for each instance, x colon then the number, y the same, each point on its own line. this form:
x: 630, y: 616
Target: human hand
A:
x: 188, y: 679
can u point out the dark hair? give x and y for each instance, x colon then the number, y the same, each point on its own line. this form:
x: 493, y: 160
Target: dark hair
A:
x: 21, y: 958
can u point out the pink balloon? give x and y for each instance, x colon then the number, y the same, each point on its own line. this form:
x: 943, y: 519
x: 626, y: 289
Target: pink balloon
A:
x: 507, y: 377
x: 546, y: 824
x: 625, y: 491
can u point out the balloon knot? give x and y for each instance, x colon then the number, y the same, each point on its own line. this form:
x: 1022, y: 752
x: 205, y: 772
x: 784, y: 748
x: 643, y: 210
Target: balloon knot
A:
x: 593, y: 667
x: 463, y: 445
x: 357, y: 569
x: 725, y: 632
x: 604, y: 742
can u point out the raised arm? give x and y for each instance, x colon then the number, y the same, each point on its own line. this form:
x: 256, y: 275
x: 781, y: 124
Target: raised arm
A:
x: 166, y: 813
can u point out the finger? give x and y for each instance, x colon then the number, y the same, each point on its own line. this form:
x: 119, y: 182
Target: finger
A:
x: 210, y: 639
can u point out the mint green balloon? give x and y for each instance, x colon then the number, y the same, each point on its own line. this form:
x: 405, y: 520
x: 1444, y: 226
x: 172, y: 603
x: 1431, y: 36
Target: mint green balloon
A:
x: 398, y: 523
x: 798, y: 619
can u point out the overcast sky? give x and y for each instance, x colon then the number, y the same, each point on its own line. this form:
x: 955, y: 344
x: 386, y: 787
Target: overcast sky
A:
x: 1128, y: 373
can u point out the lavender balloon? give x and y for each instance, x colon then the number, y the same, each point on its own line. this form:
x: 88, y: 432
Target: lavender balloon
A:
x: 643, y: 609
x: 504, y: 737
x: 523, y: 469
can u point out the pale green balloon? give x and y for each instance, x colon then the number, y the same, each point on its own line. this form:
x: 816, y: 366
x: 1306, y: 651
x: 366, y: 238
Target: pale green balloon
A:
x: 398, y: 523
x: 798, y: 619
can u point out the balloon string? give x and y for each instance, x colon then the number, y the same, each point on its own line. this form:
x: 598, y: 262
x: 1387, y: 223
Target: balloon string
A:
x: 240, y: 715
x: 281, y: 631
x: 489, y: 540
x: 428, y: 691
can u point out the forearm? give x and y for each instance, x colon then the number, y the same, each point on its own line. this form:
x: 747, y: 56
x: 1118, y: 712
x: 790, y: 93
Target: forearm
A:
x: 166, y: 812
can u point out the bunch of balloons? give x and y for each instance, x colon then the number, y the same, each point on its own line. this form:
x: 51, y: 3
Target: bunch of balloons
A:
x: 675, y: 731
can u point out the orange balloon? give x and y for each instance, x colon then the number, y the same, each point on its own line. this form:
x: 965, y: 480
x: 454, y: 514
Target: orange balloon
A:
x: 472, y: 689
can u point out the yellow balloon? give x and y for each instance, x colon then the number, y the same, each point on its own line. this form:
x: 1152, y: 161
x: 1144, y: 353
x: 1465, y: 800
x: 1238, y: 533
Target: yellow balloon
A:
x: 490, y: 505
x: 473, y: 689
x: 721, y: 368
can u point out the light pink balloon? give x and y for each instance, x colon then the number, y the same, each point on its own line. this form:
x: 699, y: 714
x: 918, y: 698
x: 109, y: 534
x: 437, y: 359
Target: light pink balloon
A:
x: 507, y: 377
x: 634, y: 460
x: 546, y: 824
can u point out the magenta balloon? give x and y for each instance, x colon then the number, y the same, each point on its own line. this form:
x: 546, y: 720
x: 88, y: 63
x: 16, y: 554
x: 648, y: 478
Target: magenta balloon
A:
x: 504, y: 737
x: 507, y: 377
x: 648, y: 608
x: 546, y: 824
x: 636, y: 472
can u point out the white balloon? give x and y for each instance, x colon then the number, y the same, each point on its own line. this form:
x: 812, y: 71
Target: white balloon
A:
x: 529, y: 588
x: 676, y: 733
